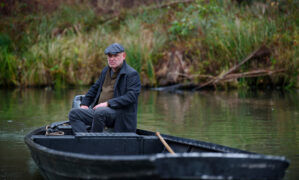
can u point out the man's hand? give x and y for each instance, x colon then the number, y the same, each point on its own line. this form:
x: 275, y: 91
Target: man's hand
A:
x: 84, y: 107
x: 104, y: 104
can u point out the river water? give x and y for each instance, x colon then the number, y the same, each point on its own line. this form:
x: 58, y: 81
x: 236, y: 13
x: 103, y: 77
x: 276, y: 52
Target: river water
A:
x: 262, y: 122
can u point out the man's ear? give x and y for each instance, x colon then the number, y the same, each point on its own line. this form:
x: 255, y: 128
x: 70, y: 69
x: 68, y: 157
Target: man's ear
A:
x: 124, y: 55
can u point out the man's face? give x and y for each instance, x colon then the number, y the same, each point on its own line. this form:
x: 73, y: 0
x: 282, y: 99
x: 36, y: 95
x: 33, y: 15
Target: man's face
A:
x: 116, y: 60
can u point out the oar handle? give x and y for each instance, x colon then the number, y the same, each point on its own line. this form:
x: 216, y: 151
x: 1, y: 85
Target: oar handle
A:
x: 165, y: 143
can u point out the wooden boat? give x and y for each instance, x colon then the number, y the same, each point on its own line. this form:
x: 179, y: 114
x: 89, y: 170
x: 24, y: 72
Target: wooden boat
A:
x: 141, y: 155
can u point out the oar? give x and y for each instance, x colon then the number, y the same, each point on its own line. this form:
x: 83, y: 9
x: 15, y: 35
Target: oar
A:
x: 165, y: 143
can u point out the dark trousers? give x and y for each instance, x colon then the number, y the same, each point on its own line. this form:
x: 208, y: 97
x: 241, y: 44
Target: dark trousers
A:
x: 97, y: 119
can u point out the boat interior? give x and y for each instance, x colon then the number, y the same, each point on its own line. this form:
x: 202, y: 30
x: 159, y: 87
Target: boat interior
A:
x: 113, y: 144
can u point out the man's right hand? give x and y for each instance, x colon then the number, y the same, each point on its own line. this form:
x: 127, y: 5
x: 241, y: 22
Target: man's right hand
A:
x: 84, y: 107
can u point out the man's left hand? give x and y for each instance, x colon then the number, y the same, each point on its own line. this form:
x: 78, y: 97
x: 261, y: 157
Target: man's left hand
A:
x: 104, y: 104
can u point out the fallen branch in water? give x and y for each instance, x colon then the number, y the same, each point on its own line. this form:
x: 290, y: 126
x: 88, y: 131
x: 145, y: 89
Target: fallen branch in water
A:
x: 192, y: 76
x: 258, y: 52
x: 254, y: 73
x: 229, y: 77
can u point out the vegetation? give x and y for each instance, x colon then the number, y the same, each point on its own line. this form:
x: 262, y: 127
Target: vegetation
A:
x: 65, y: 46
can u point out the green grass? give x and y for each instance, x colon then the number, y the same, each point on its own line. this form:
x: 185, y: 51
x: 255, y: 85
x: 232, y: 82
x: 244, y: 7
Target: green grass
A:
x: 65, y: 47
x: 224, y: 37
x: 141, y: 45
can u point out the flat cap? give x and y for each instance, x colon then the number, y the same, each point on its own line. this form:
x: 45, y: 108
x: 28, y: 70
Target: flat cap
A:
x: 114, y: 49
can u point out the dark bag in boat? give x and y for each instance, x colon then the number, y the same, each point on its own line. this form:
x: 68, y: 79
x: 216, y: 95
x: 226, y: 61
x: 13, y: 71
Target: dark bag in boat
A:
x: 52, y: 130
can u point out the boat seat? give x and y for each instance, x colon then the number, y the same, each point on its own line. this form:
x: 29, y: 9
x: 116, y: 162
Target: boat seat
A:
x: 106, y: 134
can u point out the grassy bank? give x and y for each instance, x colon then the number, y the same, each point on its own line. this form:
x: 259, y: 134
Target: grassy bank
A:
x: 65, y: 46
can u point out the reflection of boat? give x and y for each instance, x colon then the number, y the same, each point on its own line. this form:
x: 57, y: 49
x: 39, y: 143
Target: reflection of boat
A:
x: 142, y: 155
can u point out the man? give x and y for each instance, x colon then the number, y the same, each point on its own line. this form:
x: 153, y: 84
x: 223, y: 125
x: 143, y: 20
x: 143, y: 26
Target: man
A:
x: 112, y: 100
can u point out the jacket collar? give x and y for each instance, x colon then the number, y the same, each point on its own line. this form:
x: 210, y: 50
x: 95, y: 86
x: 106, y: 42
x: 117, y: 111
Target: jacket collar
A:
x: 123, y: 69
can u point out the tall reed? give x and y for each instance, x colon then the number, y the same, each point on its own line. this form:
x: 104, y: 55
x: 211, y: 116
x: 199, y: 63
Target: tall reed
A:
x: 141, y: 45
x: 66, y: 46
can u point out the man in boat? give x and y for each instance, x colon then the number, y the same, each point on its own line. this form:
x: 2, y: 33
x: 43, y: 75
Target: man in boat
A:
x: 112, y: 100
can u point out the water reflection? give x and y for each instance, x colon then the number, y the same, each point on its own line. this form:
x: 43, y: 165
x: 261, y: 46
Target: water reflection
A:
x: 263, y: 122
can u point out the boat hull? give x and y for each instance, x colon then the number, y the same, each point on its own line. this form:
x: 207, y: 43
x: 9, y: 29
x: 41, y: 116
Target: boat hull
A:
x: 142, y: 156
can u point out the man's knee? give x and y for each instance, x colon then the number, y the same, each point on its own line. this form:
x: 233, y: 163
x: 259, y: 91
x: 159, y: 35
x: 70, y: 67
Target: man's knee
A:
x: 102, y: 112
x: 103, y: 117
x: 73, y: 114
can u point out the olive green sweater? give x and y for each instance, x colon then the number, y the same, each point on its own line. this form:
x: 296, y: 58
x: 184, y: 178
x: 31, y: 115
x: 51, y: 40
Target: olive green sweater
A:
x: 108, y: 86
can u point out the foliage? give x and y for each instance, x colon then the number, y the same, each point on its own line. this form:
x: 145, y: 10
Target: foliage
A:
x: 8, y: 62
x: 141, y: 44
x: 66, y: 46
x: 224, y: 33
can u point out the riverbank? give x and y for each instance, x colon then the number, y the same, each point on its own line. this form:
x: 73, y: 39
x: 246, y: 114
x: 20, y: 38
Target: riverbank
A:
x: 193, y: 42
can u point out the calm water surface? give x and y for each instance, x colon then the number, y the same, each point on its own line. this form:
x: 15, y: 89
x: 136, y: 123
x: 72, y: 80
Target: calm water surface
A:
x: 262, y: 122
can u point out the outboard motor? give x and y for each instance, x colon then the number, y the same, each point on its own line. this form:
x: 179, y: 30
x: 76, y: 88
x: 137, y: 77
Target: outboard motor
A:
x: 77, y: 101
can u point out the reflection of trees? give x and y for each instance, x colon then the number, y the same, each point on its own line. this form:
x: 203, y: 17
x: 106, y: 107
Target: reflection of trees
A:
x: 247, y: 120
x: 36, y: 107
x: 171, y: 108
x: 253, y: 120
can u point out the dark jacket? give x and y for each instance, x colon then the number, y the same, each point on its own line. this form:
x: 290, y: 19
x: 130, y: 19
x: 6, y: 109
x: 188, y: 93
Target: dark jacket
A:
x: 126, y: 90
